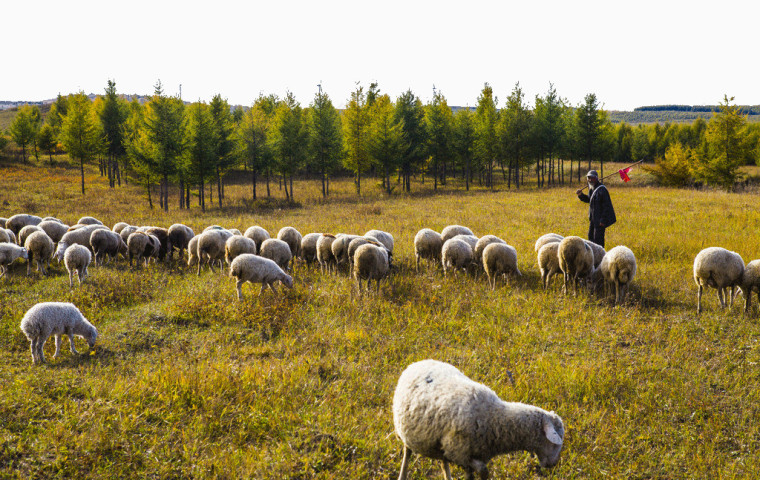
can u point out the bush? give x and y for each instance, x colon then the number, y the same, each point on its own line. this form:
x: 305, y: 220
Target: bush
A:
x: 673, y: 169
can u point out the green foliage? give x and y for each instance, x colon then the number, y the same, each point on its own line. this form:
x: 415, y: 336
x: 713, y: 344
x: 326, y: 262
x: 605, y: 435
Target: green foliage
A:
x: 410, y: 114
x: 58, y: 112
x: 46, y: 140
x: 674, y: 169
x: 356, y: 125
x: 80, y: 132
x: 252, y: 140
x: 26, y: 124
x: 289, y: 138
x: 224, y: 146
x: 386, y: 138
x: 200, y: 158
x: 486, y: 131
x: 325, y: 138
x: 463, y: 142
x: 516, y: 132
x: 439, y: 126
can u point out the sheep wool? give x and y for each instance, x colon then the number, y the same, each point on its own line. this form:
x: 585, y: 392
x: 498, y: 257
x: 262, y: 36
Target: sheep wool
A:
x: 9, y: 252
x: 4, y: 237
x: 24, y: 233
x: 618, y: 267
x: 383, y: 237
x: 428, y: 244
x: 309, y: 247
x: 456, y: 254
x: 340, y: 248
x: 80, y: 235
x: 440, y: 413
x: 19, y: 221
x: 481, y: 245
x: 40, y: 248
x: 598, y: 252
x: 257, y: 234
x: 211, y: 248
x: 236, y: 245
x: 576, y: 260
x: 89, y: 221
x: 248, y: 267
x: 119, y: 226
x: 293, y: 238
x: 77, y: 258
x: 324, y: 252
x: 192, y: 251
x: 55, y: 230
x: 548, y: 262
x: 179, y: 237
x: 717, y: 268
x: 370, y: 262
x: 278, y: 251
x: 453, y: 230
x: 106, y: 243
x: 136, y: 245
x: 750, y: 281
x: 546, y: 239
x: 500, y: 259
x: 55, y: 318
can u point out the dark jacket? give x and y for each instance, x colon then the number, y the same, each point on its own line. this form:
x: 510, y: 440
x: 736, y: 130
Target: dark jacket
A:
x: 600, y: 206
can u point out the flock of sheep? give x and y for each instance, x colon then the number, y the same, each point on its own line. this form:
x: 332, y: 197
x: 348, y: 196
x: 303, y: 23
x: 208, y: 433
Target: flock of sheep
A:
x: 438, y: 412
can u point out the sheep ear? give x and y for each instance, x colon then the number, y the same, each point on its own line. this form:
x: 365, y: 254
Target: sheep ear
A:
x: 551, y: 432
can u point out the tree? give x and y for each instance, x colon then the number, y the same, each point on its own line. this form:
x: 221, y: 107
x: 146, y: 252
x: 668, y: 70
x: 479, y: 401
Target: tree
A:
x: 46, y: 141
x: 464, y: 142
x: 224, y: 147
x: 57, y: 112
x: 113, y: 114
x: 289, y: 139
x: 386, y: 139
x: 410, y: 113
x: 515, y: 129
x: 252, y: 137
x: 80, y: 134
x: 325, y: 138
x: 549, y: 134
x: 200, y: 158
x: 674, y: 168
x: 439, y: 126
x: 486, y: 137
x: 356, y: 126
x: 23, y: 129
x: 592, y: 134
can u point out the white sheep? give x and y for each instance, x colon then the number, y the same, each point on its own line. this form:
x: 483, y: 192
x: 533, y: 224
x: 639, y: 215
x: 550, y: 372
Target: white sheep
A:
x: 2, y: 222
x: 89, y: 221
x: 750, y: 281
x: 247, y: 267
x: 546, y: 239
x: 236, y: 245
x: 440, y: 413
x: 370, y: 262
x: 24, y: 233
x: 428, y: 244
x: 137, y: 243
x: 453, y: 230
x: 471, y: 240
x: 77, y: 258
x: 618, y: 267
x: 192, y: 251
x: 598, y: 252
x: 55, y: 230
x: 309, y: 247
x: 456, y: 254
x: 55, y: 318
x: 576, y: 260
x: 179, y: 237
x: 278, y: 251
x: 127, y: 231
x: 119, y: 226
x: 9, y: 252
x: 548, y: 262
x: 293, y: 238
x: 340, y: 249
x: 40, y: 248
x: 500, y: 259
x: 717, y: 268
x: 19, y: 221
x: 80, y: 235
x: 324, y: 252
x: 11, y: 235
x: 257, y: 234
x: 383, y: 237
x: 481, y: 245
x: 106, y: 243
x: 211, y: 248
x: 4, y: 237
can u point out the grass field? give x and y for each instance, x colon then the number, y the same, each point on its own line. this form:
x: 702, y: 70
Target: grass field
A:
x: 187, y: 382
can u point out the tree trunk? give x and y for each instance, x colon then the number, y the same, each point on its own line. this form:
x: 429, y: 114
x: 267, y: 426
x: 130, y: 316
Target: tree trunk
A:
x: 253, y: 182
x: 269, y: 194
x: 182, y: 193
x: 219, y: 187
x: 324, y: 190
x: 291, y: 188
x: 81, y: 169
x: 150, y: 199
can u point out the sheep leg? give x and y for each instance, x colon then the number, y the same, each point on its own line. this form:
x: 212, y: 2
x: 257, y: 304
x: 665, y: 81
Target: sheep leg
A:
x: 733, y: 296
x: 446, y: 469
x: 417, y: 261
x: 3, y: 270
x: 721, y: 297
x: 405, y: 463
x: 82, y: 275
x: 41, y: 349
x: 33, y: 347
x: 58, y: 339
x: 263, y: 287
x: 699, y: 299
x: 71, y: 279
x: 29, y: 264
x: 71, y: 343
x: 618, y: 300
x: 273, y: 288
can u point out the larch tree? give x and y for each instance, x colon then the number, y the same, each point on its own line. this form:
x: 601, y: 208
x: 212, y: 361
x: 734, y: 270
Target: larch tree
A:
x: 386, y: 139
x: 486, y: 132
x: 23, y: 129
x: 200, y: 157
x: 46, y: 141
x: 252, y: 141
x: 289, y: 139
x: 515, y: 130
x: 113, y: 114
x: 464, y: 142
x: 80, y: 132
x: 224, y: 127
x: 439, y: 127
x: 410, y: 113
x: 325, y: 138
x: 356, y: 125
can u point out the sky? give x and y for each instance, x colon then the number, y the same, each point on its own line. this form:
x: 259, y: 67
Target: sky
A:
x: 629, y: 54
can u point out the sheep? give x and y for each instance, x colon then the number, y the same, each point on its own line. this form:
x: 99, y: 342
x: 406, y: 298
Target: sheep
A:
x: 89, y: 221
x: 79, y: 235
x: 4, y: 237
x: 370, y: 262
x: 212, y: 227
x: 471, y: 240
x: 453, y: 230
x: 383, y: 237
x: 576, y: 260
x: 26, y: 231
x: 77, y: 258
x: 340, y: 248
x: 277, y: 251
x: 236, y: 245
x: 211, y: 248
x: 40, y: 248
x: 137, y: 243
x: 118, y: 227
x: 481, y: 245
x: 546, y: 239
x: 717, y: 268
x: 248, y: 267
x: 325, y: 256
x: 163, y: 237
x: 52, y: 219
x: 2, y: 222
x: 55, y: 318
x: 598, y: 252
x: 257, y: 234
x: 11, y: 235
x: 8, y: 253
x: 293, y: 238
x: 55, y: 230
x: 19, y: 221
x: 456, y: 254
x: 309, y: 247
x: 127, y: 231
x: 152, y: 249
x: 107, y: 243
x: 358, y: 242
x: 750, y: 281
x: 618, y: 267
x: 440, y: 413
x: 192, y: 251
x: 500, y: 259
x: 179, y: 237
x: 548, y: 262
x: 428, y: 244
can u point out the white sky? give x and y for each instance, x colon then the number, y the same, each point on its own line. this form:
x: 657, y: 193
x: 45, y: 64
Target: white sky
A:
x: 628, y: 53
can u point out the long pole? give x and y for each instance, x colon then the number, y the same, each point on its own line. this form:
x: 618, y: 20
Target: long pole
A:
x: 613, y: 174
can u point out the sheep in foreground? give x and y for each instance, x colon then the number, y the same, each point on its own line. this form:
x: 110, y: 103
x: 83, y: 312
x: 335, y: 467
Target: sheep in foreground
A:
x: 293, y: 238
x: 257, y: 234
x: 576, y: 260
x: 179, y: 237
x: 548, y: 262
x: 750, y: 281
x: 9, y: 252
x: 428, y: 244
x: 21, y: 220
x: 456, y: 254
x: 324, y: 252
x: 309, y: 247
x: 278, y: 251
x: 248, y: 267
x: 452, y: 231
x: 237, y: 245
x: 40, y: 248
x: 89, y: 221
x: 77, y: 258
x: 481, y: 245
x: 618, y: 267
x: 358, y: 242
x: 211, y: 248
x: 546, y: 239
x: 500, y: 259
x: 24, y: 233
x: 717, y: 268
x: 106, y: 243
x: 55, y: 318
x: 598, y: 252
x: 440, y: 413
x: 383, y: 237
x: 370, y: 262
x: 55, y: 230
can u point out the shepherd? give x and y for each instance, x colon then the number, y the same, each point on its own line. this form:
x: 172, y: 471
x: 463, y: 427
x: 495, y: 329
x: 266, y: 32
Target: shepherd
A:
x: 600, y: 212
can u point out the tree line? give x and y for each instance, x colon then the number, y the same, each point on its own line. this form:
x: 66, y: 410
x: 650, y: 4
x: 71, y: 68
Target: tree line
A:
x: 169, y: 143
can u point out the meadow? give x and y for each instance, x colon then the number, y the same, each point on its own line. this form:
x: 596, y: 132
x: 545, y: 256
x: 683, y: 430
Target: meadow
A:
x: 188, y: 382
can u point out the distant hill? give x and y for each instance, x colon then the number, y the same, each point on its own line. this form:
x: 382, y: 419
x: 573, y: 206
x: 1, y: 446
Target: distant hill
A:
x: 676, y: 113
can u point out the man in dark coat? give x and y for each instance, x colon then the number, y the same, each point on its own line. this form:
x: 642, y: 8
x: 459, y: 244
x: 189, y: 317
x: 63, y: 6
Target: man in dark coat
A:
x: 600, y: 212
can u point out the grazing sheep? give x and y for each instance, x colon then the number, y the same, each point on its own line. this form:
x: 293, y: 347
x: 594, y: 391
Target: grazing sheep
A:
x: 370, y: 262
x: 309, y: 247
x: 107, y: 243
x: 9, y: 252
x: 24, y: 233
x: 428, y: 244
x: 456, y: 254
x: 248, y: 267
x: 500, y: 259
x: 152, y: 249
x: 340, y: 249
x: 127, y: 231
x: 162, y: 234
x: 598, y: 252
x: 257, y: 234
x: 2, y: 222
x: 453, y: 230
x: 11, y: 235
x: 471, y: 240
x: 293, y: 238
x: 440, y: 413
x: 278, y: 251
x: 325, y: 256
x: 179, y: 237
x: 137, y: 243
x: 211, y: 248
x: 383, y: 237
x: 21, y: 220
x: 77, y: 258
x: 576, y: 260
x: 79, y: 235
x: 750, y: 281
x: 118, y: 227
x: 55, y: 318
x: 546, y: 239
x: 52, y: 219
x: 548, y: 262
x: 236, y: 245
x: 355, y: 244
x: 55, y: 230
x: 40, y: 248
x: 481, y: 245
x: 234, y: 231
x: 213, y: 227
x: 192, y: 251
x: 717, y: 268
x: 89, y: 221
x: 4, y: 237
x: 618, y: 267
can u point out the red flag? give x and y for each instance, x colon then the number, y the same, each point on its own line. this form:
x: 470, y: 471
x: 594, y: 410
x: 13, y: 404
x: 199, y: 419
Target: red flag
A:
x: 624, y: 174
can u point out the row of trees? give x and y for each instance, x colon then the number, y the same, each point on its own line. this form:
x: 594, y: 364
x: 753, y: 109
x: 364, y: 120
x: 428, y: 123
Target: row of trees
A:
x: 168, y: 142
